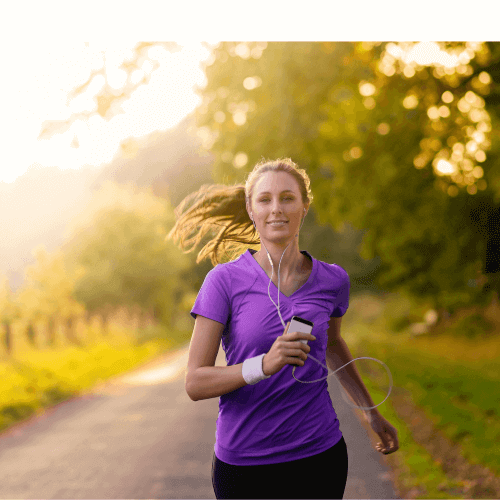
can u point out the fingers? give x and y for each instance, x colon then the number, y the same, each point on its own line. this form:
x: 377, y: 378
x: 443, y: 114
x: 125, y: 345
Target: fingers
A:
x: 385, y: 451
x: 389, y: 443
x: 388, y: 448
x: 388, y: 451
x: 394, y: 442
x: 388, y: 434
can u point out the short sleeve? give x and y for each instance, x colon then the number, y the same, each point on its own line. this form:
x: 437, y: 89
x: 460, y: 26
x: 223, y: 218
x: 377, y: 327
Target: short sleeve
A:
x: 342, y: 298
x: 213, y: 300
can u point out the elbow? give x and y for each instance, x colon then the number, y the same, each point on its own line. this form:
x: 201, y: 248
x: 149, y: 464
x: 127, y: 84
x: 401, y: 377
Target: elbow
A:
x: 189, y: 391
x: 191, y: 397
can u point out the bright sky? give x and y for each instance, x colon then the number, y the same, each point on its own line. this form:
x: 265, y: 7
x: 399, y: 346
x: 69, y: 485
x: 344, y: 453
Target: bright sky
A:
x: 43, y: 59
x: 42, y: 74
x: 37, y: 89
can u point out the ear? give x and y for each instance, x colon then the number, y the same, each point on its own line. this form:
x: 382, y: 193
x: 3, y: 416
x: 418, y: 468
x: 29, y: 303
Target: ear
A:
x: 249, y: 210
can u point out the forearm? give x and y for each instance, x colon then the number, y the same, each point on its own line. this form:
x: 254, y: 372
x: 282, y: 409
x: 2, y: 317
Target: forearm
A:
x: 337, y: 356
x: 214, y: 381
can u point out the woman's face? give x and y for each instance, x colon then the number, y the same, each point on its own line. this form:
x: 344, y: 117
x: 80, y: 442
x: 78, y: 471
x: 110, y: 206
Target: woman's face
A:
x: 277, y: 196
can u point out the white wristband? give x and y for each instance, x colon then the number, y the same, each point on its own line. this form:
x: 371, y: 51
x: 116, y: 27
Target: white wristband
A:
x: 252, y: 369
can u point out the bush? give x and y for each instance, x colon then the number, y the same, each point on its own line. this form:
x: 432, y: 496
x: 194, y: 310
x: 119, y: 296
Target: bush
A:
x: 472, y: 326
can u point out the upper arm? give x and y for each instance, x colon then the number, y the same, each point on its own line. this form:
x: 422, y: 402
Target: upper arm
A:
x: 204, y: 344
x: 334, y: 331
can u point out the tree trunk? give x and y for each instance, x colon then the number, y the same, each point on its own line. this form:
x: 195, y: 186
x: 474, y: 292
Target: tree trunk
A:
x: 88, y: 318
x: 30, y: 333
x: 70, y: 331
x: 104, y: 322
x: 51, y: 329
x: 8, y: 337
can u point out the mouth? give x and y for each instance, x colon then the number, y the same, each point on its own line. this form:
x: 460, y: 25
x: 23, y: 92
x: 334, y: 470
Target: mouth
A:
x: 278, y: 224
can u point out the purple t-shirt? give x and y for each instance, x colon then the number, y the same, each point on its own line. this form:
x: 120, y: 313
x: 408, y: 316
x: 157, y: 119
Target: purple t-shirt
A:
x: 278, y: 419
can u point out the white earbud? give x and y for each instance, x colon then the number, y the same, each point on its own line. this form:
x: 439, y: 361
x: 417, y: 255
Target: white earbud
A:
x: 309, y: 355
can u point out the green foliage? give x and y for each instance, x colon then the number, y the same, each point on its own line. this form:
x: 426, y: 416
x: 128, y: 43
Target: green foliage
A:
x: 175, y: 336
x: 370, y: 144
x: 120, y: 243
x: 454, y: 382
x: 450, y: 380
x: 9, y: 308
x: 37, y: 379
x: 49, y: 285
x: 414, y: 468
x: 474, y: 326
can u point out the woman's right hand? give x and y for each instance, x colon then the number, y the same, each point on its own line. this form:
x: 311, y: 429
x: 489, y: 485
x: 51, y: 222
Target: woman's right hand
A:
x: 286, y: 350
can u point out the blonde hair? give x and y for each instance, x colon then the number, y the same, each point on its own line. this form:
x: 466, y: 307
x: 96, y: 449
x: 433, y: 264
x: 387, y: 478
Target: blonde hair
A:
x: 224, y: 206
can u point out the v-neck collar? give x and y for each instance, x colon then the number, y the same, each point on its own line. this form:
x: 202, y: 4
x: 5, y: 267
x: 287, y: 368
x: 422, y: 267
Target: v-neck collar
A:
x: 249, y: 254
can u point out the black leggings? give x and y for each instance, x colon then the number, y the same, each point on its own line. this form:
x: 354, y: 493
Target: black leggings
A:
x: 321, y: 476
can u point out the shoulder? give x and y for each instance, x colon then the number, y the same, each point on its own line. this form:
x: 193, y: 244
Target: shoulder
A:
x: 219, y: 273
x: 225, y: 274
x: 332, y: 271
x: 340, y: 272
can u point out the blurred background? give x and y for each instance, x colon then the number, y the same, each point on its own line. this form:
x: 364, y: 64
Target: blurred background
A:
x: 400, y: 141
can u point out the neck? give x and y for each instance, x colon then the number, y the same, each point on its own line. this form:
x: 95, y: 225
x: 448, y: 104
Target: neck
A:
x: 291, y: 263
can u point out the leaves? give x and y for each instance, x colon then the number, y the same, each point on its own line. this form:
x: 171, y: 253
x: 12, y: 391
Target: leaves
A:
x: 390, y: 144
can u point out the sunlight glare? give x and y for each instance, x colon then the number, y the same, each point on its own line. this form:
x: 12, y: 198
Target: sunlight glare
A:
x: 50, y: 72
x: 444, y: 167
x: 116, y: 77
x: 410, y: 101
x: 366, y: 89
x: 428, y: 54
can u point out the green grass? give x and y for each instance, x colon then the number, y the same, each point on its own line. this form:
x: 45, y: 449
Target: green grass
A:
x: 453, y: 379
x: 417, y: 471
x: 461, y: 398
x: 35, y: 379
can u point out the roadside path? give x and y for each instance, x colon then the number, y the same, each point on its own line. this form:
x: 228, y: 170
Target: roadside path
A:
x: 140, y: 436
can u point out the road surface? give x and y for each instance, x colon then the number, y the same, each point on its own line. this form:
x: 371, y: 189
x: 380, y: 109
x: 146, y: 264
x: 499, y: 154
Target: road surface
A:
x: 140, y: 436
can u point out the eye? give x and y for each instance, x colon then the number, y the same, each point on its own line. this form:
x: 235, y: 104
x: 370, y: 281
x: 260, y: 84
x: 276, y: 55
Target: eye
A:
x: 287, y: 198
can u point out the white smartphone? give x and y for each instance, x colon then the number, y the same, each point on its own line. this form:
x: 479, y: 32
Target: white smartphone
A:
x: 298, y: 324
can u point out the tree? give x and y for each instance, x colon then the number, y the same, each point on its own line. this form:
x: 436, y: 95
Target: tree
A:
x: 120, y: 243
x: 48, y: 294
x: 406, y: 150
x: 10, y: 311
x: 404, y: 147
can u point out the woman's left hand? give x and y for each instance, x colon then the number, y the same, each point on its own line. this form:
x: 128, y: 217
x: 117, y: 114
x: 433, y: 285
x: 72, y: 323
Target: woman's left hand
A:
x: 387, y: 433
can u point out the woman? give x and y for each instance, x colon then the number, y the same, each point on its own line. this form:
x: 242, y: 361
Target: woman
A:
x: 275, y: 437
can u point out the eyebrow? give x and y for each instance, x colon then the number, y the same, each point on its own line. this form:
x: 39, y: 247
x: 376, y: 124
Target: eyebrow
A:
x: 286, y: 190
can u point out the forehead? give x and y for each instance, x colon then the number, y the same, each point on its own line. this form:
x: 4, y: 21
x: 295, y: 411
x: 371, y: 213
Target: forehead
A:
x: 276, y: 182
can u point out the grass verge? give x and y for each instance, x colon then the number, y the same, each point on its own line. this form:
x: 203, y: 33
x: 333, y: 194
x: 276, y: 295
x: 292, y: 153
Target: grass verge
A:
x: 444, y: 404
x: 35, y: 379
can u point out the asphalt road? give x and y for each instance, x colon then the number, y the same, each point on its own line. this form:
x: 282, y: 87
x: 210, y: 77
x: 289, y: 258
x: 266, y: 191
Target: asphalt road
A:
x: 140, y: 436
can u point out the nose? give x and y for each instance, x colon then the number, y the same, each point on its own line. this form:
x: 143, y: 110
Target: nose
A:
x: 276, y: 208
